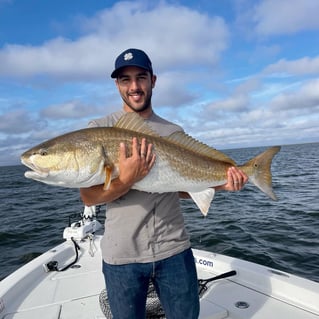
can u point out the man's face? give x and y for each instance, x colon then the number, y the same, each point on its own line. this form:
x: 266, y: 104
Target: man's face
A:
x: 135, y: 86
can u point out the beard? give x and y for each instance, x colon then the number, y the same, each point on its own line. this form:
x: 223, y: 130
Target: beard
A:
x: 139, y: 108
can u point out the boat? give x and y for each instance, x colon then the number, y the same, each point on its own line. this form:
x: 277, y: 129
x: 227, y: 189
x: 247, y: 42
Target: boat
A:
x: 66, y: 282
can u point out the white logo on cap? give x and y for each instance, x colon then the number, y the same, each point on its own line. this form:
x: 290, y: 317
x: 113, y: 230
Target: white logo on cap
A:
x: 128, y: 56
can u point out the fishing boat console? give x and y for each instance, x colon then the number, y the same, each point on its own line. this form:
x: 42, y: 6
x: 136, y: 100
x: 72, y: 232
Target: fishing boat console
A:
x: 84, y: 227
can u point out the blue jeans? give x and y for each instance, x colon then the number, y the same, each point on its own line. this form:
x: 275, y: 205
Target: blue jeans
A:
x: 175, y: 281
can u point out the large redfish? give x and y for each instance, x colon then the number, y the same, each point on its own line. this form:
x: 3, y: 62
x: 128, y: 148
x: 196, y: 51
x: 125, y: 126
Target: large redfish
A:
x: 90, y: 157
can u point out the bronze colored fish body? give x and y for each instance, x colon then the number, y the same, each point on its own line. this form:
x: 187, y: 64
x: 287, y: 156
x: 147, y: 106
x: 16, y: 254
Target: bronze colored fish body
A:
x: 89, y: 157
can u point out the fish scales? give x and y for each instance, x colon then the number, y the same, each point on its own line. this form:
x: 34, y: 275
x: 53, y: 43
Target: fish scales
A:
x: 90, y: 157
x: 182, y: 161
x: 185, y: 163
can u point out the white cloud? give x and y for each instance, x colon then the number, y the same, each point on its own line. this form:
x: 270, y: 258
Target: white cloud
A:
x: 236, y: 103
x: 277, y: 17
x: 224, y: 98
x: 68, y: 110
x: 305, y: 65
x: 170, y: 89
x: 306, y: 98
x: 289, y: 114
x: 55, y: 58
x: 172, y: 35
x: 18, y: 121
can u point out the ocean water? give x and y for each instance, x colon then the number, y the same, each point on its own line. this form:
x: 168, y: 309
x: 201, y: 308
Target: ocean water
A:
x: 282, y: 234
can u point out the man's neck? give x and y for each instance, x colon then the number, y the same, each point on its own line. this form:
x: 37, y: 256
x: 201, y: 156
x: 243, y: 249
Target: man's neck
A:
x: 146, y: 114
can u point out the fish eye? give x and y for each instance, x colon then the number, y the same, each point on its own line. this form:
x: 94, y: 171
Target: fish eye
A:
x: 43, y: 152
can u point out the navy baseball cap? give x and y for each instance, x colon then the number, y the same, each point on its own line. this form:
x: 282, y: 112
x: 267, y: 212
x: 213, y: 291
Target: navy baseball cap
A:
x: 132, y: 57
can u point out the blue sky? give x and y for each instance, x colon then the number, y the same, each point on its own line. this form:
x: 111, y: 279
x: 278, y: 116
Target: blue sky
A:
x: 233, y: 73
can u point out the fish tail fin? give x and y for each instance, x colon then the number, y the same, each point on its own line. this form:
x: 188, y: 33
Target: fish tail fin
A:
x: 258, y: 170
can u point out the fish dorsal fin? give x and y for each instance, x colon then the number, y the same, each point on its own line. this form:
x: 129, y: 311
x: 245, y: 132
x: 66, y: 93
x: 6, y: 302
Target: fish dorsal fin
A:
x: 133, y: 122
x: 183, y: 139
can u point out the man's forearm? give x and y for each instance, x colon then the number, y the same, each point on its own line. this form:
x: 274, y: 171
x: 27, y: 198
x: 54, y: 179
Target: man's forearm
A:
x: 96, y: 195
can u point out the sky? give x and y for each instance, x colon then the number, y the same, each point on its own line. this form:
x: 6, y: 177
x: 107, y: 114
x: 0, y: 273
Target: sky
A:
x: 233, y: 73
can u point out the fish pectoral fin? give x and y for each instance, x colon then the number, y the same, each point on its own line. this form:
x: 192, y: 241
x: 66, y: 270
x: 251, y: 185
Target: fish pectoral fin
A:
x: 108, y: 177
x: 203, y: 199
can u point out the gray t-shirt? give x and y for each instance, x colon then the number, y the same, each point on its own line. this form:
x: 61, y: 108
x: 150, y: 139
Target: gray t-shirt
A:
x: 143, y: 227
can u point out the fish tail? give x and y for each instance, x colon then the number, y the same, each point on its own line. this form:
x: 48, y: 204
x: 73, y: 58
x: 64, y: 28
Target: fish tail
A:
x: 258, y: 170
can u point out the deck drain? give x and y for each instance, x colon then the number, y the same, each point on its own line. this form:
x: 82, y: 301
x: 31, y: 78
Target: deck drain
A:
x: 242, y: 304
x: 75, y: 266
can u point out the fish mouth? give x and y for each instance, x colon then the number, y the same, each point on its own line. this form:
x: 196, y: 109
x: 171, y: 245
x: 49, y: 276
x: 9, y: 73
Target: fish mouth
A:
x: 36, y: 175
x: 35, y: 172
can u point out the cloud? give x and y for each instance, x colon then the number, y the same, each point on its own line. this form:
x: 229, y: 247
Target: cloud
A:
x: 18, y: 121
x: 258, y: 113
x: 306, y: 98
x: 57, y: 58
x: 235, y: 103
x: 172, y: 41
x: 226, y: 87
x: 305, y: 65
x: 172, y: 34
x: 10, y: 150
x: 68, y: 110
x: 170, y: 89
x: 278, y: 17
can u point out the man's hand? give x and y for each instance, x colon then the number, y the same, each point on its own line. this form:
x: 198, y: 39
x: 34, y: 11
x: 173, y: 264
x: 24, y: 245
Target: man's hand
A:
x: 137, y: 166
x: 236, y: 179
x: 132, y: 169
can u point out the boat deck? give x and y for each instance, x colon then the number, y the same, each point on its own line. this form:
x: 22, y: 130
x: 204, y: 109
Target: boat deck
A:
x: 254, y: 292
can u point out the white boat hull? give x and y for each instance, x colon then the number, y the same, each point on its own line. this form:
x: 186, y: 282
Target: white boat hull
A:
x: 255, y: 292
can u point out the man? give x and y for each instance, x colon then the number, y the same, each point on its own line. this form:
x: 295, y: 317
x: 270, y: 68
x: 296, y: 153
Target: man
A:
x: 145, y: 237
